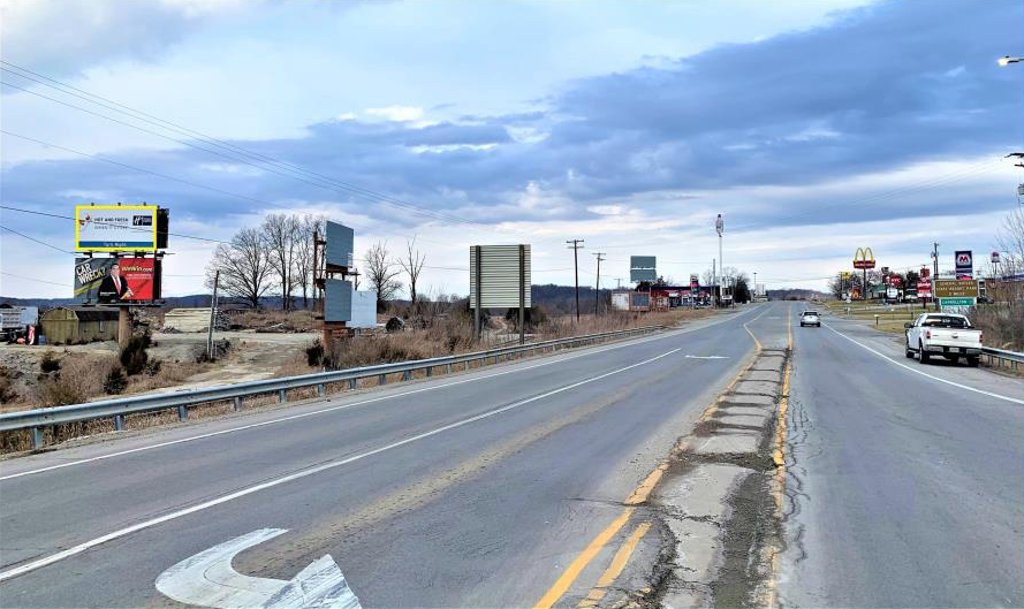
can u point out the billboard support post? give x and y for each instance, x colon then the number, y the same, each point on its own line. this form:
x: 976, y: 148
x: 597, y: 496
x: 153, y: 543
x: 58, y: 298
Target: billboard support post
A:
x: 477, y: 287
x: 213, y: 317
x: 522, y: 294
x: 124, y: 326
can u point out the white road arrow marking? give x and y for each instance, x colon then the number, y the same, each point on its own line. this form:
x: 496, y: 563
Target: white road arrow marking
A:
x: 208, y: 580
x: 706, y: 357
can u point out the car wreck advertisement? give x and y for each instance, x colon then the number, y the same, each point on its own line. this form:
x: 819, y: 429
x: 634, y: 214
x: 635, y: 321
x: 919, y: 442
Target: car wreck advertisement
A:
x: 117, y: 280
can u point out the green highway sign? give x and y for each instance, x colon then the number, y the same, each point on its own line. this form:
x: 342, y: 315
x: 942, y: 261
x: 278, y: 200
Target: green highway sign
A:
x: 956, y: 302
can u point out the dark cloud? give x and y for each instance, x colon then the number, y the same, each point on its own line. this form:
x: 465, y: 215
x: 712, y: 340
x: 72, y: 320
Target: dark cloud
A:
x: 879, y: 88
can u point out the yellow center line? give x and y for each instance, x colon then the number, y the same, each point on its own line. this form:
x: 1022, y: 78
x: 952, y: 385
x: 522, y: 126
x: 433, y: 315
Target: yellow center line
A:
x: 637, y: 497
x: 577, y: 566
x: 617, y: 565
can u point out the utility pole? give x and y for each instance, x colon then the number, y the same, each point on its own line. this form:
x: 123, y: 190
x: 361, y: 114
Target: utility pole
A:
x: 935, y: 274
x: 575, y: 246
x: 597, y: 296
x: 720, y: 228
x: 213, y: 317
x: 754, y: 297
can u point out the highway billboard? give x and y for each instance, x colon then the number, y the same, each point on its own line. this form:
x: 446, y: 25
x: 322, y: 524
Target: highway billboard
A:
x: 499, y: 276
x: 117, y: 228
x: 642, y: 268
x: 117, y: 280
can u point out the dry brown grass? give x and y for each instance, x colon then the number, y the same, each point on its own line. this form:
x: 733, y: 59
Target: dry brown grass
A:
x: 265, y: 320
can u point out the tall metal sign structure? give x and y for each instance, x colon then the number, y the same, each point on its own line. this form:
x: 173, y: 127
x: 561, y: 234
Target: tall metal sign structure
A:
x: 642, y: 268
x: 499, y: 278
x: 332, y: 266
x: 864, y: 259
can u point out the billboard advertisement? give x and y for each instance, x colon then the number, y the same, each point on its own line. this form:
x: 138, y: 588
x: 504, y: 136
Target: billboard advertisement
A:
x: 117, y: 280
x: 501, y: 278
x: 116, y: 228
x: 964, y: 264
x: 642, y: 268
x: 340, y: 241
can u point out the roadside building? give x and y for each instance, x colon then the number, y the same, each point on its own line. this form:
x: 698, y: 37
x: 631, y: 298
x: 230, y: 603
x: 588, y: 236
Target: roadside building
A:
x: 74, y: 325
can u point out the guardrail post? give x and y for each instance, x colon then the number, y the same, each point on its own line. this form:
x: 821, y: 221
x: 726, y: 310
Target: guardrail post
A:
x: 449, y: 368
x: 406, y: 375
x: 383, y: 379
x: 118, y: 422
x: 182, y: 412
x: 282, y: 396
x: 430, y: 371
x: 37, y: 438
x: 321, y: 390
x: 238, y: 404
x: 352, y: 383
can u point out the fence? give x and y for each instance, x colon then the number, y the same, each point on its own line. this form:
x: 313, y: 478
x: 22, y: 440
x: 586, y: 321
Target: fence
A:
x: 37, y: 419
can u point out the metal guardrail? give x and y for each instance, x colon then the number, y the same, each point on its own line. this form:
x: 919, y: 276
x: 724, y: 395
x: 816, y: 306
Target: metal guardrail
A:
x: 37, y: 419
x: 1012, y: 358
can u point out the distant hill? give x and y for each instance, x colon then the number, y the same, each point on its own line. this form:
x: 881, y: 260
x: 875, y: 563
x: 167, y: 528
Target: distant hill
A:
x: 797, y: 294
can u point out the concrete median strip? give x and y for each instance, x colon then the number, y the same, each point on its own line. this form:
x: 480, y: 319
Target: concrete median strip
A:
x: 715, y: 502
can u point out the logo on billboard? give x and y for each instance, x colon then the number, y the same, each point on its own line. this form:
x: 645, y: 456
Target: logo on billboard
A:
x: 864, y: 258
x: 964, y: 264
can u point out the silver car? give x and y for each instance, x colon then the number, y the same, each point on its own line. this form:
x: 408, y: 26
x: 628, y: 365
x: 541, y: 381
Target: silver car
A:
x: 810, y: 318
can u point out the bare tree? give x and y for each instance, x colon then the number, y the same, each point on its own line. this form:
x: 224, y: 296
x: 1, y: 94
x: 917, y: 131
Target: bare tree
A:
x: 381, y: 272
x: 308, y: 227
x: 244, y: 266
x: 412, y: 264
x: 280, y: 234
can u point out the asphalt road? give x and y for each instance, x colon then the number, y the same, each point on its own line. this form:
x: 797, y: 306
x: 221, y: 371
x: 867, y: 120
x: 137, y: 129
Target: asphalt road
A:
x: 903, y: 490
x: 469, y: 490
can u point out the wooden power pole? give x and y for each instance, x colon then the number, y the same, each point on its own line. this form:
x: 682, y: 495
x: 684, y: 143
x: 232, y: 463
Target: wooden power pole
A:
x: 575, y: 246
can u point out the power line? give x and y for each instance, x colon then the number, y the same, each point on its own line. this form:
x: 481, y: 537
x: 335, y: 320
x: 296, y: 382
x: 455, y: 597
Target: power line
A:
x: 187, y: 182
x: 63, y: 285
x: 23, y: 235
x: 290, y: 168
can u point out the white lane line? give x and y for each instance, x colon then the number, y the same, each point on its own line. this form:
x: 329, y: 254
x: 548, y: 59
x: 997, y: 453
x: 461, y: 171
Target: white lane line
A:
x: 922, y: 373
x: 82, y: 547
x: 359, y: 403
x: 207, y: 579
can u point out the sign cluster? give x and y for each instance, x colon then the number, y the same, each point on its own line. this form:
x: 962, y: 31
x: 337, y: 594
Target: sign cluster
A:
x: 128, y: 233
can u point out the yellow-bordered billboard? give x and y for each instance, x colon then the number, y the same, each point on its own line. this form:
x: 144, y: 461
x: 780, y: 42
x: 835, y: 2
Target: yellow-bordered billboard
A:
x: 115, y: 228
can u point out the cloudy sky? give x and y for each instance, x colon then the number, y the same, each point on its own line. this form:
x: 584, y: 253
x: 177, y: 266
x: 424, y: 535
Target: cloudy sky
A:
x: 813, y: 127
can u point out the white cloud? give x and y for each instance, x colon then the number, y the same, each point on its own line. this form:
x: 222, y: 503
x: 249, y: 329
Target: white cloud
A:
x: 397, y: 113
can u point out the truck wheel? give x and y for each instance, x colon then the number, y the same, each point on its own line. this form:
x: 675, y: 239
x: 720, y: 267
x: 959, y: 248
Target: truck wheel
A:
x: 910, y: 352
x: 972, y: 361
x: 922, y: 355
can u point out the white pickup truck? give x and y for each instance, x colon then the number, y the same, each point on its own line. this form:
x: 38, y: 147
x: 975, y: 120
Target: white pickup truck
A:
x: 945, y: 334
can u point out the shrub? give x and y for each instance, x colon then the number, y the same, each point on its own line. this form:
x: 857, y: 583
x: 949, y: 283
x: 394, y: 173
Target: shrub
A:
x: 80, y: 379
x: 50, y: 362
x: 116, y: 381
x: 133, y: 356
x: 7, y: 392
x: 315, y: 354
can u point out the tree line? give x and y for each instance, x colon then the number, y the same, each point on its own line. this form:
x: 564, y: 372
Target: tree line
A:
x: 277, y: 258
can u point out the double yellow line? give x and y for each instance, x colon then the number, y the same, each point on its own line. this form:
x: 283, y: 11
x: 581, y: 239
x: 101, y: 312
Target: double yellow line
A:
x: 637, y: 497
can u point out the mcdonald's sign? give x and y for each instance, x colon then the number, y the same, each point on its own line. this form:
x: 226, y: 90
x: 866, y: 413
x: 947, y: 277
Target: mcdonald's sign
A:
x: 864, y: 258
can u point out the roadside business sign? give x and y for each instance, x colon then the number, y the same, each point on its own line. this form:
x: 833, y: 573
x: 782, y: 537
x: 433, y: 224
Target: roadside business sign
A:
x: 864, y: 258
x: 117, y: 280
x: 995, y: 258
x: 116, y: 228
x: 964, y: 264
x: 957, y: 302
x: 694, y: 283
x: 956, y: 288
x: 925, y: 272
x: 924, y: 289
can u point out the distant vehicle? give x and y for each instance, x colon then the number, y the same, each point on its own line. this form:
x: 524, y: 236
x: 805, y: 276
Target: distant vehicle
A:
x: 945, y: 334
x: 15, y: 321
x: 985, y: 300
x: 810, y: 318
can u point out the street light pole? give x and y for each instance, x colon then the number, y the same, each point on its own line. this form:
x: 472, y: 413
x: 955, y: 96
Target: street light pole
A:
x: 935, y: 274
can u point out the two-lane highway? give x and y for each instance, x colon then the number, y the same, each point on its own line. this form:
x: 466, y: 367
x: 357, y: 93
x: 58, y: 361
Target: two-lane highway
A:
x: 469, y: 490
x: 905, y: 482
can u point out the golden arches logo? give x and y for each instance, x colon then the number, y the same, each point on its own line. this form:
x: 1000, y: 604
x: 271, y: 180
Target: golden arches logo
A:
x: 864, y: 258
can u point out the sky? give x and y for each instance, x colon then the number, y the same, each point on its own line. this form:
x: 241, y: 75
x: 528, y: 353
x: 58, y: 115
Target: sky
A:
x: 814, y: 128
